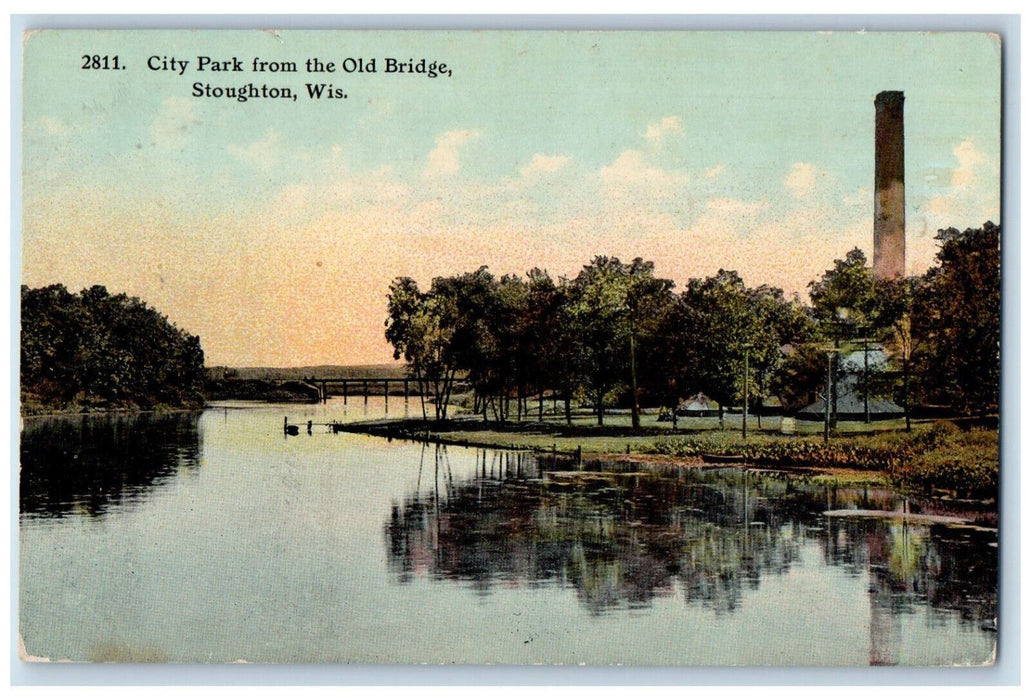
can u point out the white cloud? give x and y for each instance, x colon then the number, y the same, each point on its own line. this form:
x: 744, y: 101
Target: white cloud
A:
x: 542, y: 164
x: 630, y: 171
x: 971, y: 198
x: 443, y: 159
x: 801, y: 179
x: 656, y: 132
x: 970, y: 159
x: 171, y: 126
x: 715, y: 171
x: 263, y: 153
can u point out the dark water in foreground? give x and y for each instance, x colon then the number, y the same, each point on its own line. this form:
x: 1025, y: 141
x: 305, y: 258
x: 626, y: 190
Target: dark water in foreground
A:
x: 213, y: 537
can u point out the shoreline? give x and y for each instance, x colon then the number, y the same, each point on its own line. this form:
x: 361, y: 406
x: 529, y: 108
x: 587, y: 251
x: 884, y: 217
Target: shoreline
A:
x: 938, y: 460
x: 110, y: 412
x: 396, y: 429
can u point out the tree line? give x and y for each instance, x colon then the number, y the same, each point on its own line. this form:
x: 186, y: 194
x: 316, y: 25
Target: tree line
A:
x: 94, y: 349
x: 618, y: 334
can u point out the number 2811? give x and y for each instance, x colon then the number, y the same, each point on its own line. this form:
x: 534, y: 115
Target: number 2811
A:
x: 97, y: 62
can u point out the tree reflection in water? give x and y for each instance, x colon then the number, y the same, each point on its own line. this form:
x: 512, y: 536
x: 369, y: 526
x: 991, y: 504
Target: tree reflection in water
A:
x: 622, y: 537
x: 93, y: 464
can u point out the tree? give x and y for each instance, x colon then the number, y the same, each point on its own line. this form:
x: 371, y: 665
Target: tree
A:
x: 716, y: 325
x: 610, y: 306
x: 776, y: 322
x: 892, y: 322
x: 843, y: 298
x: 416, y: 327
x: 105, y: 350
x: 470, y: 303
x: 542, y: 338
x: 957, y: 324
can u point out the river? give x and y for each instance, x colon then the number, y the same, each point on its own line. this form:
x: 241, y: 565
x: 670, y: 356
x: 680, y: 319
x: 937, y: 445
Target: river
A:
x: 214, y: 537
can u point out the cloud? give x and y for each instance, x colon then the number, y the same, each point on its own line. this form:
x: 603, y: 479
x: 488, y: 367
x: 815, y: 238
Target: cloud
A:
x: 715, y: 171
x: 970, y: 159
x: 443, y: 159
x: 630, y: 172
x: 971, y: 197
x: 542, y: 164
x: 658, y: 131
x: 801, y: 179
x: 263, y: 153
x: 171, y: 126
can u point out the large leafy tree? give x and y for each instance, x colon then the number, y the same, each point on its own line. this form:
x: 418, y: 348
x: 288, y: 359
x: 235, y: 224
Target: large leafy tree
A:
x: 956, y: 321
x: 849, y: 304
x: 892, y: 325
x: 543, y: 346
x: 706, y: 331
x: 843, y: 298
x: 776, y: 324
x: 416, y: 328
x: 714, y: 323
x: 106, y: 350
x: 469, y: 307
x: 611, y: 306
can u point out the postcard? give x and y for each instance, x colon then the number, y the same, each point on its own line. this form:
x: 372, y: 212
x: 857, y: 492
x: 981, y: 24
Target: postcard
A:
x: 648, y: 348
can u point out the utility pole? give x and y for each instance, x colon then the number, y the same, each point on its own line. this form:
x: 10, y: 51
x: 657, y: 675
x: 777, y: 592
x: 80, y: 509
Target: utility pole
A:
x: 635, y: 413
x: 866, y: 378
x: 827, y: 401
x: 744, y: 411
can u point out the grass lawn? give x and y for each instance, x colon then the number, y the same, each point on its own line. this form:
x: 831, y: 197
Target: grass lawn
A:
x: 935, y: 456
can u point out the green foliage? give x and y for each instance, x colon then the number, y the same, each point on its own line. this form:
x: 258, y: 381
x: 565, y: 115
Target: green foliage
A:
x: 875, y: 455
x: 616, y: 333
x: 843, y: 298
x: 705, y: 331
x: 612, y: 308
x: 940, y: 458
x: 956, y: 322
x: 97, y: 350
x: 421, y: 327
x: 967, y: 466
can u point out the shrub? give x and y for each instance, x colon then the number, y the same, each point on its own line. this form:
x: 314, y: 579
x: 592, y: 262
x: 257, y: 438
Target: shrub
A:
x: 942, y: 457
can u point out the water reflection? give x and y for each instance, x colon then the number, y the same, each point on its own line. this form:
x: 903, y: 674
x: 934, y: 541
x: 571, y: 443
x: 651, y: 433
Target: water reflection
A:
x: 93, y: 465
x: 621, y: 538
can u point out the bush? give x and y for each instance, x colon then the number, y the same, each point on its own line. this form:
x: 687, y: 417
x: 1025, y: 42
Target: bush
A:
x: 942, y: 457
x: 965, y: 463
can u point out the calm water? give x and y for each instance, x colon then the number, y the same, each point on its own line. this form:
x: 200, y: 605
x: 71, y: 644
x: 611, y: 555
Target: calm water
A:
x: 213, y: 537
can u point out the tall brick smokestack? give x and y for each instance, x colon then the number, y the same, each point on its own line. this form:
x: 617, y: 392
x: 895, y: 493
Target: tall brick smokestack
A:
x: 889, y: 222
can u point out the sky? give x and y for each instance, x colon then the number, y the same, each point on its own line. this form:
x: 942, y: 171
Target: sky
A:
x: 272, y: 228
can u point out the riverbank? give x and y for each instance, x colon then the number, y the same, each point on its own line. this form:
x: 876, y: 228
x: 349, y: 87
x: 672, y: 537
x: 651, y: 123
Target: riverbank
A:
x: 937, y: 458
x: 29, y: 408
x: 266, y: 391
x: 270, y: 391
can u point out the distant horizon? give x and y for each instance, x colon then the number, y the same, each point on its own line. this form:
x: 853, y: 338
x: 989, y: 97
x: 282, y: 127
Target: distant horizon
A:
x: 272, y: 229
x: 397, y: 363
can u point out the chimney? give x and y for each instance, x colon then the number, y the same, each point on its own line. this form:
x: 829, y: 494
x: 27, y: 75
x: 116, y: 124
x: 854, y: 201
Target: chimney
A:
x: 889, y: 222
